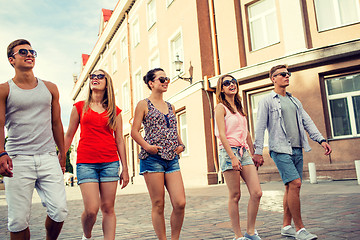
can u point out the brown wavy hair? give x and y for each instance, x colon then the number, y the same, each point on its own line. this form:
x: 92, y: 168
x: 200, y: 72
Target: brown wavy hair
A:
x: 108, y: 101
x: 220, y: 96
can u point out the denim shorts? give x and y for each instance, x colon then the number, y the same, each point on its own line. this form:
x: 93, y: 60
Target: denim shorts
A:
x: 43, y: 173
x: 225, y: 161
x: 97, y: 172
x: 154, y: 163
x: 290, y: 166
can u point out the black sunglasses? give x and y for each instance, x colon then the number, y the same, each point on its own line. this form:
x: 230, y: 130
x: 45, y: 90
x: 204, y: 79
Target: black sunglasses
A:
x: 163, y: 79
x: 99, y: 76
x: 227, y: 83
x: 24, y: 52
x: 283, y: 74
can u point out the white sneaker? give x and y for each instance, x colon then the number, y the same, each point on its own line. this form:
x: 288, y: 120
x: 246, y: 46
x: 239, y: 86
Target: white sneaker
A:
x: 305, y: 235
x: 85, y: 238
x: 288, y: 232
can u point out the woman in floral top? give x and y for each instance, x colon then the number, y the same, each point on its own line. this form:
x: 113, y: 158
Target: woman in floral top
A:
x: 159, y: 153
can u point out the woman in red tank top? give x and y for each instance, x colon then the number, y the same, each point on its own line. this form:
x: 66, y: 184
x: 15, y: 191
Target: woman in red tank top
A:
x: 100, y: 146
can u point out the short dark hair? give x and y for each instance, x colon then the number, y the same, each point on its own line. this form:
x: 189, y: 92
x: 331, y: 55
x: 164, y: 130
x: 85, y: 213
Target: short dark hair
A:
x: 150, y: 76
x: 273, y: 69
x: 10, y: 49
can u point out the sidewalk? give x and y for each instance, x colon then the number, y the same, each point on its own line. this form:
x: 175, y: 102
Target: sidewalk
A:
x: 330, y: 209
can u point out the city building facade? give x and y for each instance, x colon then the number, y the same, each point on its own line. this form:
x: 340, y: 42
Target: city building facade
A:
x: 318, y: 39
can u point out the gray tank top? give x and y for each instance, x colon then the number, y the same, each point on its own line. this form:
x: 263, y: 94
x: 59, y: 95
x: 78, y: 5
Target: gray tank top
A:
x: 28, y: 120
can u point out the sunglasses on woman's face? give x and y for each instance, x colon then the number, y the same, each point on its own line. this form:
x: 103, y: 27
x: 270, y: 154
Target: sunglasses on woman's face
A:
x: 99, y: 76
x: 227, y: 83
x: 163, y: 79
x: 24, y: 52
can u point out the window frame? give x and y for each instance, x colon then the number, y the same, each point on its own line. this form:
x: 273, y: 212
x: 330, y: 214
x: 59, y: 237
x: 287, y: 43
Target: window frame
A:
x: 178, y: 34
x: 126, y: 96
x: 138, y: 83
x: 182, y: 127
x: 136, y: 32
x: 123, y: 48
x: 337, y: 16
x: 262, y: 16
x: 114, y: 62
x: 350, y: 107
x: 151, y: 16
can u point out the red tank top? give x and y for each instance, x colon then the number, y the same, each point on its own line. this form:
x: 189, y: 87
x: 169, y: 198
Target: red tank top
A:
x: 97, y: 142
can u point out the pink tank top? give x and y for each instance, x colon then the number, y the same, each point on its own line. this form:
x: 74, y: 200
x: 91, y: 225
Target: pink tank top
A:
x: 235, y: 129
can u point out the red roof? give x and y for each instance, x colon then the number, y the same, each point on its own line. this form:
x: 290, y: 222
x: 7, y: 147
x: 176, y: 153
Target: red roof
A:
x: 106, y: 14
x: 85, y: 58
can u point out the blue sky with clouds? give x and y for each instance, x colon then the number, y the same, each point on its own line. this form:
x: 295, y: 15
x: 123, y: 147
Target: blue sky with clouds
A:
x: 59, y: 30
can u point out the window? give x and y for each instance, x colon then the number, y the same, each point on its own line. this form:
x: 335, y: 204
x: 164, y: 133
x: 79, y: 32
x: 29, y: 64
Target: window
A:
x: 116, y: 92
x: 153, y: 39
x: 138, y: 87
x: 136, y: 32
x: 154, y: 61
x: 151, y: 13
x: 126, y: 96
x: 253, y: 103
x: 114, y: 62
x: 343, y: 96
x: 123, y: 49
x: 183, y: 132
x: 176, y: 48
x: 336, y: 13
x: 263, y: 25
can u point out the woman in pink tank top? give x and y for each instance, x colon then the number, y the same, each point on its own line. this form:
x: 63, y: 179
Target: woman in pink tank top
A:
x: 235, y: 160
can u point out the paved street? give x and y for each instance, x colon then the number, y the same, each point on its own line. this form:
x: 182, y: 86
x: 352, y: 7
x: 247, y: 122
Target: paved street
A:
x: 330, y: 209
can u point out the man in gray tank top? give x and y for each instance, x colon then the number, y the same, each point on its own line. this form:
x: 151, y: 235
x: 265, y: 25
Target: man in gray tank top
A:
x: 286, y: 121
x: 30, y: 111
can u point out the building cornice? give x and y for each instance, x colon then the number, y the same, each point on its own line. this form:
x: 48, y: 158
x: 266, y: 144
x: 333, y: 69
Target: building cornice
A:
x: 300, y: 59
x: 109, y: 31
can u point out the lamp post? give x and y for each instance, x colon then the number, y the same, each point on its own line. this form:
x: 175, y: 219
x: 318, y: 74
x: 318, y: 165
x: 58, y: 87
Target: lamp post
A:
x: 178, y: 66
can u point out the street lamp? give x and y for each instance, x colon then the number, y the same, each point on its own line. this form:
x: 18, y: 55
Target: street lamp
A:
x: 178, y: 66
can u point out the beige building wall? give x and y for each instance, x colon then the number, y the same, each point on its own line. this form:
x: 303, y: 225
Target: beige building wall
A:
x: 219, y: 32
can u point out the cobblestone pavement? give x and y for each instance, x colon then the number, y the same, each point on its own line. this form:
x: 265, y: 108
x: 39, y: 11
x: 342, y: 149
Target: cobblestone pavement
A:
x: 330, y: 209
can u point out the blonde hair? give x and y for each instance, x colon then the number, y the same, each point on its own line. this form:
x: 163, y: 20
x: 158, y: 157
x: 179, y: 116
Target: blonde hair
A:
x: 108, y: 101
x: 220, y: 96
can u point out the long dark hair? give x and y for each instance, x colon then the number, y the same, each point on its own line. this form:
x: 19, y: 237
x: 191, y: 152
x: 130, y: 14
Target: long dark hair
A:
x: 220, y: 96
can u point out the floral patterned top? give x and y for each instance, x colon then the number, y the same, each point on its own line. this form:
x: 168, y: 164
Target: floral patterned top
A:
x: 160, y: 130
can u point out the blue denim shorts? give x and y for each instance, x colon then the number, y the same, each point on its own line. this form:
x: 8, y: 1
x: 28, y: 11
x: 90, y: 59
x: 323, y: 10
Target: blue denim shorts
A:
x: 290, y: 166
x: 97, y: 172
x: 225, y: 161
x: 154, y: 163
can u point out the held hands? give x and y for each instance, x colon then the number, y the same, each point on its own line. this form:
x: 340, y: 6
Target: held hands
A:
x: 6, y: 166
x: 62, y: 161
x: 236, y: 164
x: 327, y: 148
x: 258, y: 160
x: 124, y: 179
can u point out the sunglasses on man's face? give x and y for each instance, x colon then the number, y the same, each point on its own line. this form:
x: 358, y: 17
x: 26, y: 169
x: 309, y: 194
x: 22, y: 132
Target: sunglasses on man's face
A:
x: 163, y: 79
x: 283, y: 74
x: 24, y: 52
x: 227, y: 83
x: 99, y: 76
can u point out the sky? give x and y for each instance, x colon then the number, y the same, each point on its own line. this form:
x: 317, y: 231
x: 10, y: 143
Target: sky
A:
x: 60, y: 31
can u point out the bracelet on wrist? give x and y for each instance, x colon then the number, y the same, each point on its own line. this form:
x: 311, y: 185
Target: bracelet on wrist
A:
x: 3, y: 153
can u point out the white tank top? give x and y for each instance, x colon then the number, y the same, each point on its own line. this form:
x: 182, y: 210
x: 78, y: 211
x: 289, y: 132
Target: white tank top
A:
x: 28, y: 120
